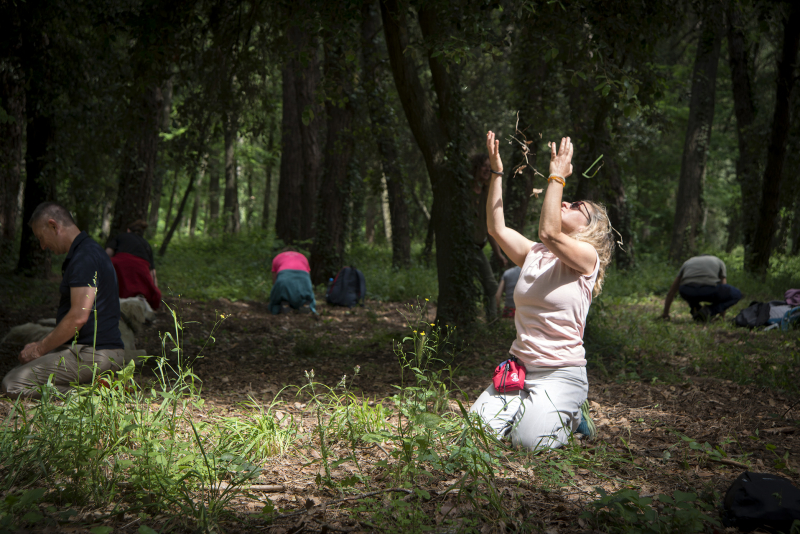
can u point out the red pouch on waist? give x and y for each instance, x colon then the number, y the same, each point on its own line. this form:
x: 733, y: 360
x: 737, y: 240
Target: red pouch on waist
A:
x: 509, y: 376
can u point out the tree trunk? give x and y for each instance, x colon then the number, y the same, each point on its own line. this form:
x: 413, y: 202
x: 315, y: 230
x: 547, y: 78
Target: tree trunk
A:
x: 757, y: 261
x: 139, y: 161
x: 327, y: 251
x: 12, y: 100
x: 430, y: 237
x: 231, y: 205
x: 438, y: 137
x: 689, y: 201
x: 381, y: 117
x: 250, y: 204
x: 734, y: 228
x: 387, y: 218
x: 213, y: 200
x: 744, y: 107
x: 105, y: 225
x: 268, y: 184
x: 161, y: 171
x: 177, y: 221
x: 517, y: 197
x: 168, y: 216
x: 796, y: 229
x: 300, y: 151
x: 612, y: 190
x: 369, y: 219
x: 33, y: 261
x: 197, y: 189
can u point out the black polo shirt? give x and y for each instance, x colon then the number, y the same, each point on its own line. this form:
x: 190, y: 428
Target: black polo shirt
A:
x: 88, y: 265
x: 135, y: 244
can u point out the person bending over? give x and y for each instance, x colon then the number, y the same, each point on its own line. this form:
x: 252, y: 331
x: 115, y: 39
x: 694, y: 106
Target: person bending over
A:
x: 507, y: 284
x: 132, y: 257
x: 291, y: 283
x: 703, y: 279
x: 559, y: 275
x: 88, y: 312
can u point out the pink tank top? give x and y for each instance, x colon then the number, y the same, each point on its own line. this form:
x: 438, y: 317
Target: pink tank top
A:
x: 290, y: 260
x: 552, y: 301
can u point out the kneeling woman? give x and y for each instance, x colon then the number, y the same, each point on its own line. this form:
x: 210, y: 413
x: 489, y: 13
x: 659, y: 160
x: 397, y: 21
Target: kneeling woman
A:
x: 291, y: 283
x: 552, y: 297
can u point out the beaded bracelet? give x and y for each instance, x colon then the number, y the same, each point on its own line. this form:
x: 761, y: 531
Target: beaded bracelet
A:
x: 557, y: 178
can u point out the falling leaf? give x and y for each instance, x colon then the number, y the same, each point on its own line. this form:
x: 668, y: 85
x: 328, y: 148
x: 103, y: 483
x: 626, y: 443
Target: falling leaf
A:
x: 537, y: 192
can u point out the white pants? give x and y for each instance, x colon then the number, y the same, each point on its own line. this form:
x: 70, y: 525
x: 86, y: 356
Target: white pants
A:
x: 544, y: 414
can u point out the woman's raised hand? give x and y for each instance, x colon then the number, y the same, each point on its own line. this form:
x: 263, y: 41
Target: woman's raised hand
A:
x: 493, y: 146
x: 561, y: 162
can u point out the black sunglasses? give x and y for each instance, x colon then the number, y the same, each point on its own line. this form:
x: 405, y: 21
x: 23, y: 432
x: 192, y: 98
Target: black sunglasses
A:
x: 578, y: 205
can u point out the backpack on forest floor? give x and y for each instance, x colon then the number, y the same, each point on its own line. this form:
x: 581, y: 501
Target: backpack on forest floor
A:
x: 347, y: 289
x: 756, y: 314
x: 761, y: 313
x: 763, y: 501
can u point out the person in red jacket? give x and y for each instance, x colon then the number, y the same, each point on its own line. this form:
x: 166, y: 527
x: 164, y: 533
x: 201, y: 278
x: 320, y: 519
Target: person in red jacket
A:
x: 132, y: 257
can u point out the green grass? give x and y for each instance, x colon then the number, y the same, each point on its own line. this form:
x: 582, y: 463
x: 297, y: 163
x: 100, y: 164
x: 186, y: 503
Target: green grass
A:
x: 238, y: 267
x: 625, y: 338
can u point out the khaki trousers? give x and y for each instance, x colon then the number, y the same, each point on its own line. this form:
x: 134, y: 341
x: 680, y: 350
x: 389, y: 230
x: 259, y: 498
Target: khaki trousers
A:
x: 75, y: 364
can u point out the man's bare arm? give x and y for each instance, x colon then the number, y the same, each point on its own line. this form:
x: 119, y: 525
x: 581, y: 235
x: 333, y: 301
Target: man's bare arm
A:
x: 673, y: 290
x: 81, y: 304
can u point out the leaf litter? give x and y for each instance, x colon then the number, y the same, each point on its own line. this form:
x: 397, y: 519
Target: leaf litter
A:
x: 694, y: 436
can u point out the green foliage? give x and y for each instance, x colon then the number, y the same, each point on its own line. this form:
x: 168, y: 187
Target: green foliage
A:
x: 256, y: 436
x: 625, y: 338
x: 238, y: 267
x: 393, y: 285
x: 625, y: 511
x: 131, y: 445
x: 234, y: 266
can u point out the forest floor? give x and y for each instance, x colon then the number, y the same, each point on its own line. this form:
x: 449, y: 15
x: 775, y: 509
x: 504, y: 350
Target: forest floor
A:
x: 683, y: 431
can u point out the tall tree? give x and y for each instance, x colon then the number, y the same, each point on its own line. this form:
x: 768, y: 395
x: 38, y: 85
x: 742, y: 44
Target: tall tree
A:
x: 300, y: 131
x: 327, y: 250
x: 269, y: 163
x: 438, y: 132
x: 39, y: 187
x: 689, y: 201
x: 601, y: 67
x: 36, y: 55
x: 739, y: 60
x: 381, y: 118
x: 230, y: 208
x: 161, y: 170
x: 213, y: 199
x: 12, y: 104
x: 757, y: 261
x: 139, y: 157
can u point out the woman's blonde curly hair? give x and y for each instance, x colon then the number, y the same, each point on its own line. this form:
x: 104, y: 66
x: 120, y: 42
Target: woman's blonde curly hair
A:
x: 599, y: 234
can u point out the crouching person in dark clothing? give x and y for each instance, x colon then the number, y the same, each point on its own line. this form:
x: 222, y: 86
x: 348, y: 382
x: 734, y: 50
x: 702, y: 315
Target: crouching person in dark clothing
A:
x: 703, y: 279
x: 86, y: 340
x: 132, y: 258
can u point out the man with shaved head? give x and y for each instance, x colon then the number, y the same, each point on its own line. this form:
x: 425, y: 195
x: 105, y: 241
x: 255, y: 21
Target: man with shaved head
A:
x: 86, y: 340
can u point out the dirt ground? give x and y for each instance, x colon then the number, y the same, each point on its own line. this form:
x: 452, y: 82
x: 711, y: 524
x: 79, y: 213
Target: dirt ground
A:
x: 256, y: 354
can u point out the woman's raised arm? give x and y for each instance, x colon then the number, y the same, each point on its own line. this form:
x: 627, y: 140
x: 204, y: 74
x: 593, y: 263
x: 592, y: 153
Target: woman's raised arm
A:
x: 515, y: 245
x: 578, y: 255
